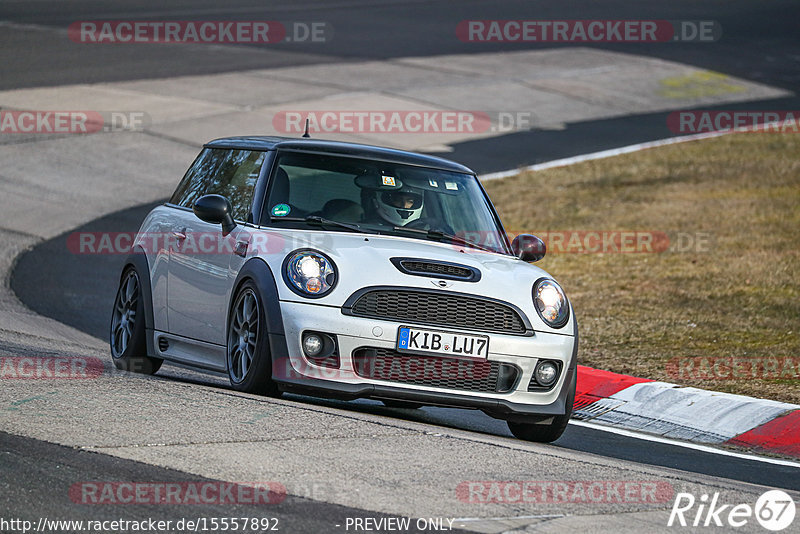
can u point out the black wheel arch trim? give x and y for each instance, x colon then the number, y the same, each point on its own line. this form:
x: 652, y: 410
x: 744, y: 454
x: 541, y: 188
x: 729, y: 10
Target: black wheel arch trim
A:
x: 138, y: 260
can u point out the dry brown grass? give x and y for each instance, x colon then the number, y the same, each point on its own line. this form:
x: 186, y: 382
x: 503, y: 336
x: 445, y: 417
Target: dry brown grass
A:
x: 636, y: 312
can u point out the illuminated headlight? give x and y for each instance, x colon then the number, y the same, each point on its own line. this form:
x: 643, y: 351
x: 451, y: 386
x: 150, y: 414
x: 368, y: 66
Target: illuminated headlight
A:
x: 551, y: 302
x: 309, y: 273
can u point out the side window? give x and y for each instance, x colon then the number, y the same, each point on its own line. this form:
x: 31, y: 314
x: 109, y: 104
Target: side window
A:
x: 230, y: 173
x: 195, y: 181
x: 236, y: 179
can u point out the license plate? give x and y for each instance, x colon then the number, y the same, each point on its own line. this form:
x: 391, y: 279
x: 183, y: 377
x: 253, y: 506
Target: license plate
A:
x: 437, y: 342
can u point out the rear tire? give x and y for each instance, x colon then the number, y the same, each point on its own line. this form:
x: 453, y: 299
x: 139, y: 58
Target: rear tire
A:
x: 249, y: 358
x: 127, y: 335
x: 545, y: 433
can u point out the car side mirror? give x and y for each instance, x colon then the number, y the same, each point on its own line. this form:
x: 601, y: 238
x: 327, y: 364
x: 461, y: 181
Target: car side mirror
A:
x: 528, y: 247
x: 215, y: 209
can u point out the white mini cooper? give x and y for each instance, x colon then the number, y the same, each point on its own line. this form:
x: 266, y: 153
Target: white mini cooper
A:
x: 348, y: 271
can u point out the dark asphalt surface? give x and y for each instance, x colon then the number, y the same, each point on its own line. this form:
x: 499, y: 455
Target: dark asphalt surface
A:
x: 759, y: 39
x: 37, y: 478
x: 761, y: 42
x: 592, y: 441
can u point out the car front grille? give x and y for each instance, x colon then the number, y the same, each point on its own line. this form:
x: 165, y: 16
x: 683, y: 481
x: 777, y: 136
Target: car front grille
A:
x: 433, y: 371
x: 439, y: 309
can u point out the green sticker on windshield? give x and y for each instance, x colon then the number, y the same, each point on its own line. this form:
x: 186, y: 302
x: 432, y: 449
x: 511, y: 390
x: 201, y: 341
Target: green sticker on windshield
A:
x: 281, y: 210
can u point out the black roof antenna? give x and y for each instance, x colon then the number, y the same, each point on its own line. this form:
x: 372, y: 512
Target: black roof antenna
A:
x: 305, y: 133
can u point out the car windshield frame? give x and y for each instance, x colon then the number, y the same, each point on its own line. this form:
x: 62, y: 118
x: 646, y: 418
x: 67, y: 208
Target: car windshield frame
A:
x: 478, y: 196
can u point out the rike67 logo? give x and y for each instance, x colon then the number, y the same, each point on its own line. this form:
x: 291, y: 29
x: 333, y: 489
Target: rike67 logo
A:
x: 774, y: 510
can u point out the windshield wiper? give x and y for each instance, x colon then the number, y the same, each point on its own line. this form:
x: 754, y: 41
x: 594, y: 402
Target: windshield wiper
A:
x: 315, y: 219
x: 439, y: 236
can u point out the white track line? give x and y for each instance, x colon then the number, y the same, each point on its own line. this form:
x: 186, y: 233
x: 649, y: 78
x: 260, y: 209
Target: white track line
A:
x: 605, y: 154
x: 634, y: 148
x: 684, y: 444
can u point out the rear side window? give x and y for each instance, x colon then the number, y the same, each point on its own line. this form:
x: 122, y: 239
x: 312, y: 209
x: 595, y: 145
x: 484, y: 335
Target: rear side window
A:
x: 230, y: 173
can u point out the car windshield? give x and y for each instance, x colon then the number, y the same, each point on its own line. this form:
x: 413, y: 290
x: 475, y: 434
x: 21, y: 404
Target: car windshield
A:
x: 351, y: 194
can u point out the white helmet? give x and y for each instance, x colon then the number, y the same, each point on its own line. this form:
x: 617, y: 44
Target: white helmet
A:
x: 399, y: 207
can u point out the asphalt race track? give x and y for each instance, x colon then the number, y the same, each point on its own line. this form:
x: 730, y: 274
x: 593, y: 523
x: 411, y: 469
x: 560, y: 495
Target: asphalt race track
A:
x: 760, y: 44
x: 137, y: 428
x: 90, y: 283
x: 53, y: 466
x: 760, y: 38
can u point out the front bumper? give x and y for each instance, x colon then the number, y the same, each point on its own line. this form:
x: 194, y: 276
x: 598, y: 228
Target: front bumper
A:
x: 296, y: 373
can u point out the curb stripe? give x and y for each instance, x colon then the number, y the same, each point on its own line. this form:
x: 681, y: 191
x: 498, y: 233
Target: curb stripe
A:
x: 604, y: 383
x: 781, y: 435
x: 686, y: 413
x: 689, y: 413
x: 595, y: 385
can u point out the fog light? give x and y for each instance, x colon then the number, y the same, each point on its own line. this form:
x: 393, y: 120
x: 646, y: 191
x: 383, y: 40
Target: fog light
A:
x: 546, y: 373
x: 313, y: 344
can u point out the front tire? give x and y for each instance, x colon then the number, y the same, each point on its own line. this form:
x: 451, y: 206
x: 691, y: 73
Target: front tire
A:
x: 249, y: 358
x: 545, y: 433
x: 127, y: 336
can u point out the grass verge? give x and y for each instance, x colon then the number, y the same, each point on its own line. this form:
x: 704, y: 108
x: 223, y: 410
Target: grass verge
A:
x: 720, y: 307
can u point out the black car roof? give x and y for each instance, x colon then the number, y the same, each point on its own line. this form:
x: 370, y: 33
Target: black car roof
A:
x: 339, y: 148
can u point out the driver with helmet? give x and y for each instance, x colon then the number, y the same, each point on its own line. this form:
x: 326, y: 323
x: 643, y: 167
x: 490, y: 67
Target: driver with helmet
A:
x: 399, y: 207
x: 388, y: 200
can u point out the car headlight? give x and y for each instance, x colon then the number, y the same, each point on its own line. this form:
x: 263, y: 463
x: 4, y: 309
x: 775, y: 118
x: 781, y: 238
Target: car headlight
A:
x: 550, y: 302
x: 309, y: 273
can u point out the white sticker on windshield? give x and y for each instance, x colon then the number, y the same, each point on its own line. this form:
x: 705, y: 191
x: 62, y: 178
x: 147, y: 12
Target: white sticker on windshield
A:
x: 433, y: 183
x: 452, y: 186
x: 388, y: 180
